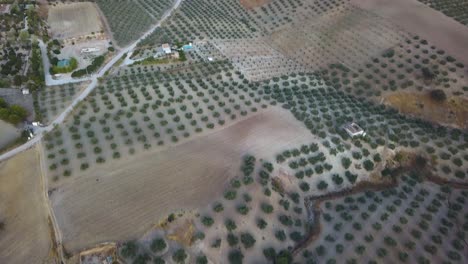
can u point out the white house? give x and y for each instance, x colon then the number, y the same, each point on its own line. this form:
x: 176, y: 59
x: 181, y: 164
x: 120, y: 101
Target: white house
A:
x: 354, y: 130
x: 166, y: 48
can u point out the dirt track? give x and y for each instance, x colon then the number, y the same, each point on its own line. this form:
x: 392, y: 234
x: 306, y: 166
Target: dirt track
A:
x: 417, y: 18
x: 25, y: 238
x: 125, y: 198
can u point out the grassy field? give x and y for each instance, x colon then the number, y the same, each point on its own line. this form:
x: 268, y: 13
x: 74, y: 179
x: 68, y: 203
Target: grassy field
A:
x: 25, y: 236
x: 73, y: 20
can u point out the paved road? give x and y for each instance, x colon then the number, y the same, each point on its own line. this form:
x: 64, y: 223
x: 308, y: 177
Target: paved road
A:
x: 94, y: 81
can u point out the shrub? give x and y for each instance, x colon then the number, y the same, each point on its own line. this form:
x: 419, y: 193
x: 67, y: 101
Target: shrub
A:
x: 129, y: 249
x: 438, y: 95
x: 218, y: 207
x: 269, y: 253
x: 243, y: 209
x: 235, y: 257
x: 158, y: 245
x: 346, y: 162
x: 232, y: 239
x: 230, y: 195
x: 267, y: 208
x: 368, y: 165
x: 179, y: 256
x: 247, y: 240
x: 201, y: 260
x: 322, y: 185
x: 207, y: 221
x: 280, y: 235
x: 337, y: 179
x: 261, y: 223
x: 230, y: 224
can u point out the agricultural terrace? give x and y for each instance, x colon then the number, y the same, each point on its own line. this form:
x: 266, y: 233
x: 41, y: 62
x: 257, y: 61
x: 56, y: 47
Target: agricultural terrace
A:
x: 128, y: 19
x: 457, y: 10
x: 74, y: 20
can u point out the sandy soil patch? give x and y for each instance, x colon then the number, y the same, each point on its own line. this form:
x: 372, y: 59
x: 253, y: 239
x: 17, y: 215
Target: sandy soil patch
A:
x: 424, y: 21
x: 25, y: 238
x: 121, y: 200
x: 251, y: 4
x: 453, y: 111
x: 8, y: 134
x: 73, y: 20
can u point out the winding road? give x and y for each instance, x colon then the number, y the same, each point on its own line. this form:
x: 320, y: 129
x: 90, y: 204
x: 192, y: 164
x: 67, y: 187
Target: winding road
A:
x: 94, y: 81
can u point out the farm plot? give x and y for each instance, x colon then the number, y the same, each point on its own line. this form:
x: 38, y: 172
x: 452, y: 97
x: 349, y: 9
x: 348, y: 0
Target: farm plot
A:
x: 279, y: 14
x: 416, y: 68
x: 128, y: 196
x: 419, y: 19
x: 136, y: 112
x: 74, y: 20
x: 24, y: 229
x: 346, y: 34
x: 52, y: 100
x: 457, y: 10
x: 256, y: 59
x: 156, y: 9
x: 127, y: 19
x: 205, y: 19
x: 416, y: 222
x: 324, y: 111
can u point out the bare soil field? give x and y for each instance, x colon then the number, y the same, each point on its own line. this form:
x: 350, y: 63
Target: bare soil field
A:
x: 125, y: 198
x: 251, y: 4
x: 8, y: 133
x: 453, y: 111
x: 74, y: 20
x: 420, y: 19
x: 25, y: 238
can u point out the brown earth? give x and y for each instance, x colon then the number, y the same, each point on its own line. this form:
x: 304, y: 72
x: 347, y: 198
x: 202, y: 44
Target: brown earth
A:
x: 418, y: 18
x: 25, y: 237
x: 453, y: 111
x: 122, y: 200
x: 251, y: 4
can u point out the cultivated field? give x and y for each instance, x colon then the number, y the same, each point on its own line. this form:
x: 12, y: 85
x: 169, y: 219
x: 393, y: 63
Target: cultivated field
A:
x: 25, y: 236
x: 416, y: 222
x: 52, y: 100
x: 73, y: 20
x: 125, y: 198
x: 247, y: 149
x: 128, y: 19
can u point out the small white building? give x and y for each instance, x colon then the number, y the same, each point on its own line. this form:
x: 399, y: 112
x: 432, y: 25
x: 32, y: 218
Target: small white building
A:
x: 90, y: 50
x: 166, y: 48
x: 354, y: 130
x: 25, y: 91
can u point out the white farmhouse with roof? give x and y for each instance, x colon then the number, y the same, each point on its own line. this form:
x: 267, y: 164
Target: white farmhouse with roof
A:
x: 166, y: 48
x: 354, y: 130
